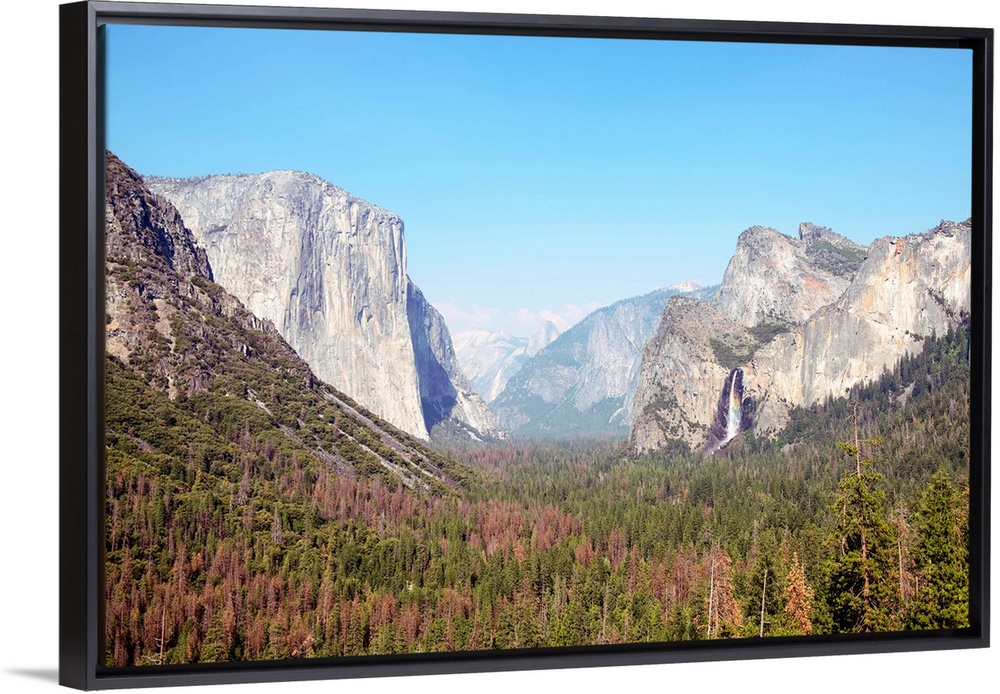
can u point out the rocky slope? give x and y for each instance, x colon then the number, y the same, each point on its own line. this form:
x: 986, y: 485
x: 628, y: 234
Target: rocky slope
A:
x: 779, y: 279
x: 770, y: 343
x: 491, y: 358
x: 450, y: 406
x: 585, y: 381
x: 177, y: 339
x: 681, y: 377
x: 908, y: 288
x: 141, y: 226
x: 329, y: 270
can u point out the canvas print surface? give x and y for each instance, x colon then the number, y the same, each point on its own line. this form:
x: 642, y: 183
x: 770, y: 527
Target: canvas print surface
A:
x: 675, y: 345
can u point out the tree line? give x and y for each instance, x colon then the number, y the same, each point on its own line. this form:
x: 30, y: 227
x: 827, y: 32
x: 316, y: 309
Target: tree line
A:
x: 225, y: 541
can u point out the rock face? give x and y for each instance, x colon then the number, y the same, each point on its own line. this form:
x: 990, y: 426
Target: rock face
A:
x: 584, y: 382
x: 329, y: 270
x: 769, y: 336
x: 775, y: 278
x: 447, y: 399
x: 142, y: 225
x: 908, y: 289
x: 171, y: 329
x: 678, y: 391
x: 490, y: 359
x: 143, y: 230
x: 543, y: 338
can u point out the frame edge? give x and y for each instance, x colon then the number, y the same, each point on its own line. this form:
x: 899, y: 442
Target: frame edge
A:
x: 77, y: 455
x: 80, y: 187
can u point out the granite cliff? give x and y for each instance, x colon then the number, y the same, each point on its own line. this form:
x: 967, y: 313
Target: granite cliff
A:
x: 795, y: 321
x: 186, y: 359
x: 907, y: 289
x: 773, y: 278
x: 681, y: 375
x: 329, y: 270
x: 450, y: 406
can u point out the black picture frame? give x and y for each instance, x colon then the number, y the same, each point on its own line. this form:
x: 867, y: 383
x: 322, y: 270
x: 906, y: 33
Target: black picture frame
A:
x: 81, y: 338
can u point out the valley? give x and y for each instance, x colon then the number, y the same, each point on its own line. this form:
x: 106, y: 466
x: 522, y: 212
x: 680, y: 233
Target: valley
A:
x: 298, y: 465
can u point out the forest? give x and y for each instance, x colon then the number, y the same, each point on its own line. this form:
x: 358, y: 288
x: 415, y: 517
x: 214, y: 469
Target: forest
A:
x: 228, y: 540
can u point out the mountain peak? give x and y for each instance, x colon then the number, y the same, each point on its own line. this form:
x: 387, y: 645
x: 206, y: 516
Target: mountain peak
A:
x: 329, y: 270
x: 543, y: 338
x: 685, y: 286
x: 138, y: 219
x: 774, y: 278
x: 810, y: 232
x: 759, y: 232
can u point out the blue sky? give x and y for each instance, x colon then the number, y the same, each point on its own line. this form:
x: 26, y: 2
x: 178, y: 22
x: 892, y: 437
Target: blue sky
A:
x: 543, y: 177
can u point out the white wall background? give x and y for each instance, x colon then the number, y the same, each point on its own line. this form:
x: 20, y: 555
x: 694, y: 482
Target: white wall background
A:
x: 29, y: 384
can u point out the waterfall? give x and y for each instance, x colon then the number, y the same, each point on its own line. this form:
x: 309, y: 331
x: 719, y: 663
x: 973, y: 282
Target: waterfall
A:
x: 730, y: 416
x: 734, y: 414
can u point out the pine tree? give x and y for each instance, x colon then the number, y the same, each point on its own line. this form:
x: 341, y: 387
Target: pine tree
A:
x: 762, y: 591
x: 800, y: 597
x: 941, y: 558
x: 216, y: 645
x: 860, y: 590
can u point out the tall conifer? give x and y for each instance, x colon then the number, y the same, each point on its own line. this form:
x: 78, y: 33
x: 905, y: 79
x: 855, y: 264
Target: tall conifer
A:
x: 860, y: 590
x: 941, y: 557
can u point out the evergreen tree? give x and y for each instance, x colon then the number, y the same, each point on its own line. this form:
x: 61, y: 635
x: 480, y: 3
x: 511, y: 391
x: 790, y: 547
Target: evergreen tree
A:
x: 860, y: 588
x: 941, y: 557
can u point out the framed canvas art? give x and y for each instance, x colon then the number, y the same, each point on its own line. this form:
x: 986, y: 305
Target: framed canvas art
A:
x: 399, y: 342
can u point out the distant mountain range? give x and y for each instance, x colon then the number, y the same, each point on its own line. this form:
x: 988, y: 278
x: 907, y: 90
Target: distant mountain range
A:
x: 583, y: 383
x: 490, y: 358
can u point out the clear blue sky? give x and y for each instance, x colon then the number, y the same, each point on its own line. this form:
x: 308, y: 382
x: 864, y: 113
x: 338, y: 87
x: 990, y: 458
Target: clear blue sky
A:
x: 542, y: 176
